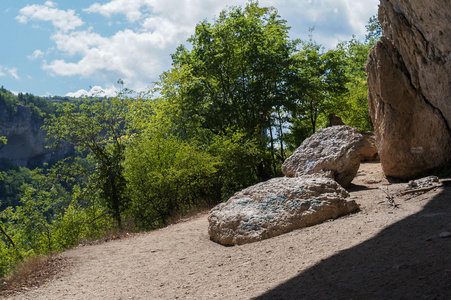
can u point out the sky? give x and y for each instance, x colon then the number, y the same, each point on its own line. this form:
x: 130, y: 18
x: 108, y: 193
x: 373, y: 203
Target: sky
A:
x: 70, y: 48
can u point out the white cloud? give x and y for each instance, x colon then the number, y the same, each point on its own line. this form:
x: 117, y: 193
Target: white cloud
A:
x: 36, y: 54
x: 50, y: 4
x: 359, y: 13
x: 132, y: 56
x: 132, y: 9
x: 334, y: 20
x: 61, y: 19
x: 98, y: 91
x: 13, y: 72
x: 139, y: 52
x: 4, y: 71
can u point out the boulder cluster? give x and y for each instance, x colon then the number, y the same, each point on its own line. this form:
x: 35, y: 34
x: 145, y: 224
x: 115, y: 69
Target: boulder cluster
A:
x: 311, y: 192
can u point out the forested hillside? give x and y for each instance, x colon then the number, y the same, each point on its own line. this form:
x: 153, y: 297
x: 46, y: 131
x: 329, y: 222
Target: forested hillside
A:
x: 235, y: 103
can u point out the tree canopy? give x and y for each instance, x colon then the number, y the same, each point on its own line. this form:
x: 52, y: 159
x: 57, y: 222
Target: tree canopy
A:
x: 100, y: 127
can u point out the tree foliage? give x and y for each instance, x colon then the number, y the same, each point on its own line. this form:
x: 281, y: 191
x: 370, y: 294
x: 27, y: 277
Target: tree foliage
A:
x: 373, y: 29
x: 318, y: 83
x: 99, y: 127
x: 48, y: 218
x: 233, y: 78
x: 356, y: 54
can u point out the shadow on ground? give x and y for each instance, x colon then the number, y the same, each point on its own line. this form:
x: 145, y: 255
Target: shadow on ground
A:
x: 407, y: 260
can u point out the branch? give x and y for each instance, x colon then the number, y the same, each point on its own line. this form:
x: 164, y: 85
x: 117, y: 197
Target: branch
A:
x: 424, y: 189
x: 10, y: 240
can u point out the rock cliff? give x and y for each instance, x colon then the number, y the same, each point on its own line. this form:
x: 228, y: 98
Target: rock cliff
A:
x: 409, y: 79
x: 26, y: 140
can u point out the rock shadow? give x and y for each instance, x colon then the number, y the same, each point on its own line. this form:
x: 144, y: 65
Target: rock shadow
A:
x: 357, y: 187
x: 407, y: 260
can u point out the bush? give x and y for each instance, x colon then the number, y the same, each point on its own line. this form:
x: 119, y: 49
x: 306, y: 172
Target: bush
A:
x: 166, y: 176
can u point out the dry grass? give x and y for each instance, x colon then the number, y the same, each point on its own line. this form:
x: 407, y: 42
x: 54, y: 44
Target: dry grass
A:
x: 32, y: 273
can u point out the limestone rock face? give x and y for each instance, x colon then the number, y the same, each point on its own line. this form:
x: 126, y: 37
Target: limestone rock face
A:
x: 277, y: 206
x: 409, y: 79
x: 26, y: 140
x: 336, y: 149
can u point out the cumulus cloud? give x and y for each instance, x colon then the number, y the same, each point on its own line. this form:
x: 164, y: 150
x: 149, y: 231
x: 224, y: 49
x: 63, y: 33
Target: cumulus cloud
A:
x: 134, y: 56
x: 334, y: 20
x: 2, y: 74
x: 61, y: 19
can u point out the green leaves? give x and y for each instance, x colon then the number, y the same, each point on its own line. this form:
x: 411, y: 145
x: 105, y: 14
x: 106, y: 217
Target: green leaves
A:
x: 233, y: 79
x: 46, y: 220
x: 166, y: 176
x: 374, y: 30
x: 103, y: 128
x: 318, y: 84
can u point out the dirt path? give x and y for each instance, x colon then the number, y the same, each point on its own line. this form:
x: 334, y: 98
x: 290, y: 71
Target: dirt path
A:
x: 382, y: 252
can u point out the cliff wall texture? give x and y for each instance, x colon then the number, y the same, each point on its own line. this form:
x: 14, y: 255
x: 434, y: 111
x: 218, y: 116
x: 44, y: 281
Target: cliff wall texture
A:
x: 26, y: 140
x: 409, y: 79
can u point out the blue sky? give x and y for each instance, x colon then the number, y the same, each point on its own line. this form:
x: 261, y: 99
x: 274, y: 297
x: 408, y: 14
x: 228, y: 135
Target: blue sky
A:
x: 63, y: 47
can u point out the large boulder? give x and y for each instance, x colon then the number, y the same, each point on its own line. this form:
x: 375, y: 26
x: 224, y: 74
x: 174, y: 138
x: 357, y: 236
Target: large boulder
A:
x: 277, y: 206
x: 409, y: 79
x: 336, y: 149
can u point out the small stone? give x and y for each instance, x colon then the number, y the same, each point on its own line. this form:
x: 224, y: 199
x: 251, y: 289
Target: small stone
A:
x: 372, y: 181
x: 445, y: 234
x: 429, y: 181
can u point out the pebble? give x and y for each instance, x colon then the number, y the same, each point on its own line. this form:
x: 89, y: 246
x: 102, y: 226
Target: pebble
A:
x: 445, y: 234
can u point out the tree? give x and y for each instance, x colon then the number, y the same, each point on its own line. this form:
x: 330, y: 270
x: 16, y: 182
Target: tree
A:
x: 169, y: 174
x: 234, y: 75
x: 2, y: 141
x: 374, y: 30
x: 318, y: 82
x: 356, y: 54
x: 100, y: 127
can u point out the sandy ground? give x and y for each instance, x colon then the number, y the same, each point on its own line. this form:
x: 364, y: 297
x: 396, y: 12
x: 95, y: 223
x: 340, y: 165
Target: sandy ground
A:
x: 382, y: 252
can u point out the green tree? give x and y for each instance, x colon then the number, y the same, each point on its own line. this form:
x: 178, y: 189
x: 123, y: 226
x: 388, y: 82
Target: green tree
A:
x: 318, y: 85
x: 374, y: 30
x: 356, y: 54
x: 2, y: 141
x: 169, y: 175
x: 233, y: 77
x: 99, y: 127
x: 47, y: 219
